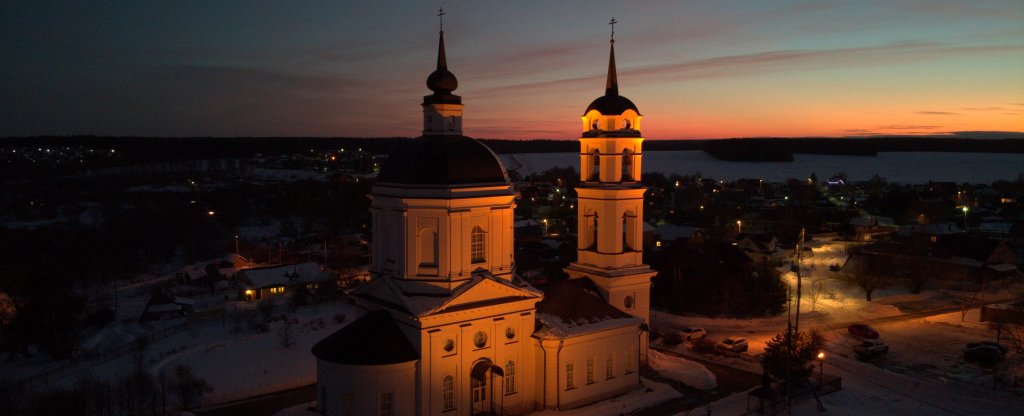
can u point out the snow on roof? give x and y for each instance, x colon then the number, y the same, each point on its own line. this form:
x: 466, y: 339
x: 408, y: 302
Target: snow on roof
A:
x: 1002, y: 267
x: 572, y: 307
x: 554, y: 244
x: 675, y: 232
x: 525, y: 223
x: 288, y: 274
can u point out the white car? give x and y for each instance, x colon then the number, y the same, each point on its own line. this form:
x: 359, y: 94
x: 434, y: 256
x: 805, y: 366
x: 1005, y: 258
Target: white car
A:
x: 733, y: 344
x: 687, y: 333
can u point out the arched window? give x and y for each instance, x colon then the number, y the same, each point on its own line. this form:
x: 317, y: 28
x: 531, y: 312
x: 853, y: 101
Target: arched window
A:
x: 629, y: 235
x: 477, y: 246
x: 595, y: 165
x: 427, y: 247
x: 510, y: 377
x: 448, y: 390
x: 594, y: 125
x: 625, y: 124
x: 595, y: 232
x: 627, y: 165
x: 625, y: 233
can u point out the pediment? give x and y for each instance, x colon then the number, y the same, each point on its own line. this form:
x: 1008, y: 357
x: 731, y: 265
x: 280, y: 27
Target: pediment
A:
x: 485, y: 291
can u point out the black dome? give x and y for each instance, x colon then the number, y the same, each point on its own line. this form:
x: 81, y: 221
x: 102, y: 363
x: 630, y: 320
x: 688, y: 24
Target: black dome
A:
x: 442, y: 160
x: 611, y: 105
x: 374, y: 339
x: 442, y: 81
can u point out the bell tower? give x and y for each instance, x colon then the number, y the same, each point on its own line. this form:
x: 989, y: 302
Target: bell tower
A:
x: 611, y: 202
x: 442, y: 110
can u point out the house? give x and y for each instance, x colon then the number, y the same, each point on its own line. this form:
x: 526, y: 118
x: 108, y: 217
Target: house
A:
x: 665, y: 235
x: 262, y: 282
x: 761, y: 247
x: 872, y: 228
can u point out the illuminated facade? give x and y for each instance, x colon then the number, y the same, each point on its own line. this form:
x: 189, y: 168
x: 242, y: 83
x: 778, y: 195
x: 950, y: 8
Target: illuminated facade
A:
x: 450, y: 329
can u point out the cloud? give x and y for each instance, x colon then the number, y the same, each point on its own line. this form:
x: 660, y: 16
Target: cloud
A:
x: 937, y: 113
x: 779, y: 60
x: 983, y: 108
x: 906, y: 127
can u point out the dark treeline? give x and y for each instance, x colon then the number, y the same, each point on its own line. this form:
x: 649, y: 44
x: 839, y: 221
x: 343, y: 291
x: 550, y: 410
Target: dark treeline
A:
x: 137, y: 150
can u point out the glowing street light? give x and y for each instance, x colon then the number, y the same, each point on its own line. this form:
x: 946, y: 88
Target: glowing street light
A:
x: 821, y: 366
x: 965, y: 209
x: 739, y: 226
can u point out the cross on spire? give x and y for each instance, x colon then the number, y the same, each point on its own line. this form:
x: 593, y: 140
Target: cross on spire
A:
x: 613, y: 22
x: 440, y: 17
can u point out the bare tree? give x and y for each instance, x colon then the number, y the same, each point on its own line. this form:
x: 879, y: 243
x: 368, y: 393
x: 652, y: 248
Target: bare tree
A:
x: 866, y: 272
x: 814, y: 292
x: 286, y: 334
x: 189, y: 387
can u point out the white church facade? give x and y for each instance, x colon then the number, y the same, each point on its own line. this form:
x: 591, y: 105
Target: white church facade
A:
x: 450, y: 329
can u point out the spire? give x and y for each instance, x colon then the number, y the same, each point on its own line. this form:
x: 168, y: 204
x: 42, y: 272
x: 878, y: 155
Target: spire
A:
x: 442, y: 63
x: 442, y: 82
x: 612, y: 86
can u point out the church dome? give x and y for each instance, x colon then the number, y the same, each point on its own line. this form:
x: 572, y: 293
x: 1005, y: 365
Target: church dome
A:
x: 442, y: 81
x: 443, y: 160
x: 611, y: 105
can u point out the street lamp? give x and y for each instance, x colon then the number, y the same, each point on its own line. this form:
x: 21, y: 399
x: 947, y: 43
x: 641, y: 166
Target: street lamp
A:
x: 821, y: 366
x: 965, y: 209
x: 545, y: 227
x: 739, y: 226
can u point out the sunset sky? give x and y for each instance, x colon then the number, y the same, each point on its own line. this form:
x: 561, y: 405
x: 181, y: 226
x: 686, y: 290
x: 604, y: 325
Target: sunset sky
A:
x: 696, y: 69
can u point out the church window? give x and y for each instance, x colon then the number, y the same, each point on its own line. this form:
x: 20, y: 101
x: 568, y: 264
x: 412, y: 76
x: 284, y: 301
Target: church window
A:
x: 479, y: 390
x: 627, y: 165
x: 451, y: 123
x: 480, y: 339
x: 387, y: 404
x: 609, y: 368
x: 510, y: 332
x: 625, y: 124
x: 449, y: 345
x: 590, y: 370
x: 629, y: 362
x: 510, y: 377
x: 628, y: 302
x: 569, y: 382
x: 427, y: 248
x: 594, y: 125
x: 448, y: 391
x: 477, y: 246
x: 595, y: 231
x: 630, y: 240
x: 595, y: 166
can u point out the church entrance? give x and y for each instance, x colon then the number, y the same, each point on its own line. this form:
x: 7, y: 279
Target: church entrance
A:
x: 482, y: 379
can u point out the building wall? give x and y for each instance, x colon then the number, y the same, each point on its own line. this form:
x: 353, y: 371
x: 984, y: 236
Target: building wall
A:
x: 356, y: 390
x: 431, y: 239
x: 461, y: 329
x: 621, y: 343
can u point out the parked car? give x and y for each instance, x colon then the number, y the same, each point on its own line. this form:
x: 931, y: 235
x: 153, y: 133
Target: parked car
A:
x: 687, y: 333
x: 870, y: 348
x: 984, y: 354
x: 733, y: 344
x: 862, y: 331
x: 1001, y: 347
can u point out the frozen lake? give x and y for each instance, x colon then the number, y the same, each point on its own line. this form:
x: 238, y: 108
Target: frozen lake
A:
x: 900, y: 167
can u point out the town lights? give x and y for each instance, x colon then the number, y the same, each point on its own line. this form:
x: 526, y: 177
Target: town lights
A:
x: 965, y: 209
x: 739, y: 226
x: 210, y: 213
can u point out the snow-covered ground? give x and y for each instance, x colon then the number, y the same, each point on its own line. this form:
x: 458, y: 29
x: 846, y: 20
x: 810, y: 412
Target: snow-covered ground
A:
x: 688, y: 372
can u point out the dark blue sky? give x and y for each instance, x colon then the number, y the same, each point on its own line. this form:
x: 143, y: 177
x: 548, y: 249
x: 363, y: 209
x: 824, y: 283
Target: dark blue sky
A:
x: 526, y: 69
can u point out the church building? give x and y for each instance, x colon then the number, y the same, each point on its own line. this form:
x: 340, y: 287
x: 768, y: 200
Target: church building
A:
x: 450, y: 329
